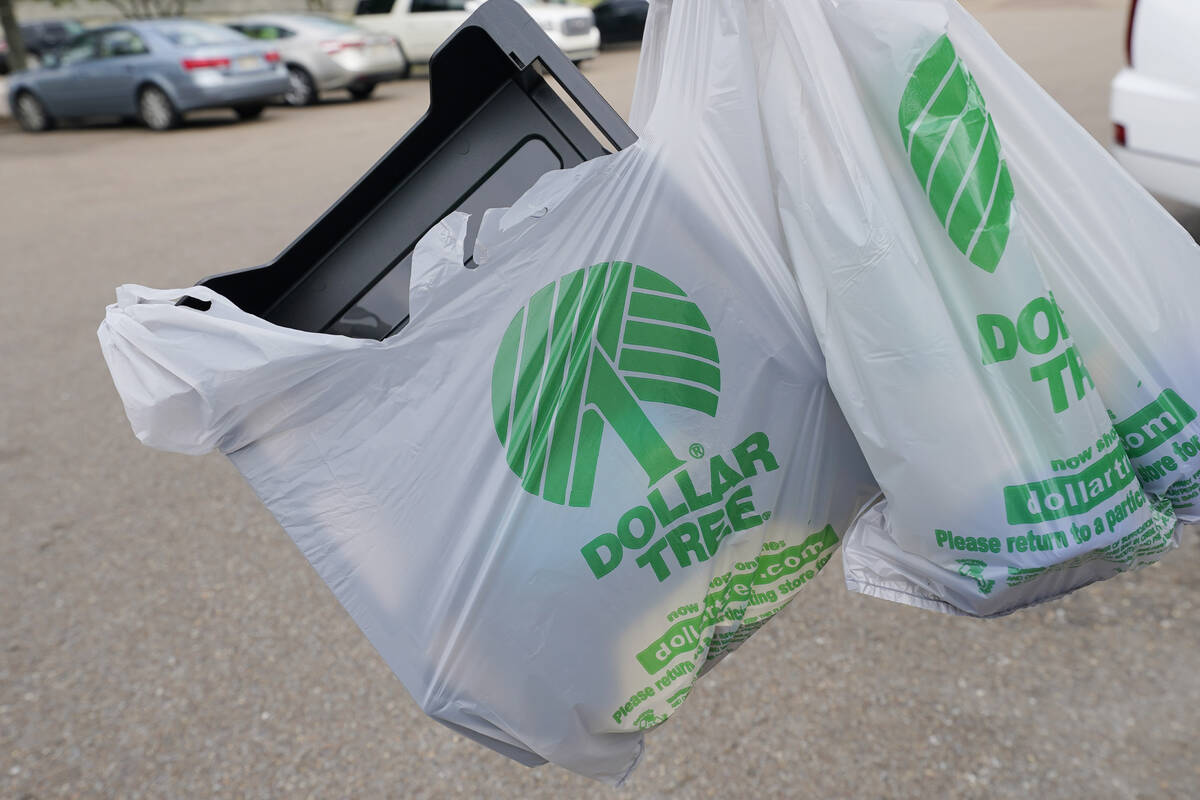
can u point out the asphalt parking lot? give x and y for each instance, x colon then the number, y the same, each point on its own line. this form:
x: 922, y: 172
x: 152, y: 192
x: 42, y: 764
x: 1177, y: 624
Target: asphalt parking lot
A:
x: 160, y: 636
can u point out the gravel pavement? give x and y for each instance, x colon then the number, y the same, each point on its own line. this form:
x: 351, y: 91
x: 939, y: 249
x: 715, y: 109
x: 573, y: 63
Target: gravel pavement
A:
x: 160, y: 636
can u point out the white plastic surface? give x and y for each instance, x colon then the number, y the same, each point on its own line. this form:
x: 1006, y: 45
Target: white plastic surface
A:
x: 689, y: 470
x: 1157, y: 100
x: 1161, y: 119
x: 1166, y: 177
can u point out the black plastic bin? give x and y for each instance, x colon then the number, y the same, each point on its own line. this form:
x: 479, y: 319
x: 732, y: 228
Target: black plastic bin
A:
x: 493, y: 127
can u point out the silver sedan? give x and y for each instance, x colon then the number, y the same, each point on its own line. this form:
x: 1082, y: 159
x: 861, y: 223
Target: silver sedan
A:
x: 323, y: 54
x: 154, y: 71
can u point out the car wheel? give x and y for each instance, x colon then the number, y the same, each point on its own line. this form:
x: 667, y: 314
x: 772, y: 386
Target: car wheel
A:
x: 361, y: 92
x: 248, y: 112
x: 156, y: 110
x: 31, y: 114
x: 301, y: 90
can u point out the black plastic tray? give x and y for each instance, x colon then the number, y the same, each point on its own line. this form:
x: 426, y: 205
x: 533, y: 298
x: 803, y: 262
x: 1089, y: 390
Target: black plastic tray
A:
x: 493, y: 127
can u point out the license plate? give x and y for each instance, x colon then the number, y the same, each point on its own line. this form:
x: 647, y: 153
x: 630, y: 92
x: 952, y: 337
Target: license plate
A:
x: 577, y: 26
x: 247, y: 63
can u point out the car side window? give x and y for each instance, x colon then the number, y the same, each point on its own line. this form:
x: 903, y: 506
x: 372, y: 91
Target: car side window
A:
x: 31, y: 35
x: 438, y: 5
x: 121, y: 42
x: 374, y: 6
x: 80, y: 49
x: 264, y: 33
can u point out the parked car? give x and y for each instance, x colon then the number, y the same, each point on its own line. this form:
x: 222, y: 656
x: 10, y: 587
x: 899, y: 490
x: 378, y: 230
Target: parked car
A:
x: 421, y: 25
x: 322, y: 54
x: 621, y: 20
x: 40, y: 37
x: 154, y: 71
x: 1155, y: 105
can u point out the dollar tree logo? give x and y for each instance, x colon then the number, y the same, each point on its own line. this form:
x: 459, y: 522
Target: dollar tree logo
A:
x: 581, y: 358
x: 952, y: 145
x: 973, y: 568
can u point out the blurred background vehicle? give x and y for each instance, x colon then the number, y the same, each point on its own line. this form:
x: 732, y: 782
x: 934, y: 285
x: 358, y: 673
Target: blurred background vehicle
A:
x: 1155, y: 102
x: 154, y: 71
x: 621, y: 20
x: 421, y: 25
x: 40, y: 37
x: 322, y: 54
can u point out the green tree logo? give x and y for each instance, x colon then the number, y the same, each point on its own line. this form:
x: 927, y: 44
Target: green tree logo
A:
x: 973, y: 568
x: 952, y: 145
x: 582, y: 356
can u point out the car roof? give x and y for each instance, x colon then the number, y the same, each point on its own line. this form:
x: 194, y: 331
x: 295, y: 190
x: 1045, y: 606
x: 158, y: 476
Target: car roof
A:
x: 132, y: 24
x: 39, y: 23
x: 291, y: 19
x: 159, y: 24
x: 100, y: 29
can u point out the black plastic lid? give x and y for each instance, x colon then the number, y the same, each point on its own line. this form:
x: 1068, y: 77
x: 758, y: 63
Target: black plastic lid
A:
x: 494, y: 126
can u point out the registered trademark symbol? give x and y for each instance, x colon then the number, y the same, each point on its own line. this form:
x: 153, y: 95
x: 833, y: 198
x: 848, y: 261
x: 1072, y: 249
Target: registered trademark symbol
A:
x: 766, y: 515
x: 697, y: 450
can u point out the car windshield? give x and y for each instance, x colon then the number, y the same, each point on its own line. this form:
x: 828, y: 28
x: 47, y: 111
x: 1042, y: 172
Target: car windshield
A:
x: 81, y: 48
x: 194, y: 34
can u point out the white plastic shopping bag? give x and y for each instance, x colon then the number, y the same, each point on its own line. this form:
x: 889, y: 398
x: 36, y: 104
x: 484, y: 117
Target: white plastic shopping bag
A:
x: 1125, y: 270
x: 949, y: 345
x: 587, y: 468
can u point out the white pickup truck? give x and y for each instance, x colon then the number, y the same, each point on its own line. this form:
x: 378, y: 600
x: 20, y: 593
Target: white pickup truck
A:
x: 1156, y: 99
x: 421, y: 25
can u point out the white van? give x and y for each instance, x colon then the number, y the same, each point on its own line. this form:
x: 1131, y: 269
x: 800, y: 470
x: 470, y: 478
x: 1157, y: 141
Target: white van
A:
x: 421, y: 25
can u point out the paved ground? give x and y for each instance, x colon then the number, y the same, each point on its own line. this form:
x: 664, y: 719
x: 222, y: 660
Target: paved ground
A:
x: 161, y: 637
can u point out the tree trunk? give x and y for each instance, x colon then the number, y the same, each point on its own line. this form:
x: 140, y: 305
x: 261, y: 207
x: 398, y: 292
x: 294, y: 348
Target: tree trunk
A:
x: 12, y: 35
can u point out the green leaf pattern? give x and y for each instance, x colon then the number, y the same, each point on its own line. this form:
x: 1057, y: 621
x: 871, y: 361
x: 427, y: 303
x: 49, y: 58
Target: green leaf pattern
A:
x: 582, y: 356
x: 951, y: 142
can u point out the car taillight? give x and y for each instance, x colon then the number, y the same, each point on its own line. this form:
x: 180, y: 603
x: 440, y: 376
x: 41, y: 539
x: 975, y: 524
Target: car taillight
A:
x: 1119, y: 134
x: 336, y: 46
x: 1129, y: 33
x: 271, y: 56
x: 205, y: 63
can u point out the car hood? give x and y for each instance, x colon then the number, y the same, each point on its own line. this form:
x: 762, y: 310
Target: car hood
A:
x: 555, y: 12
